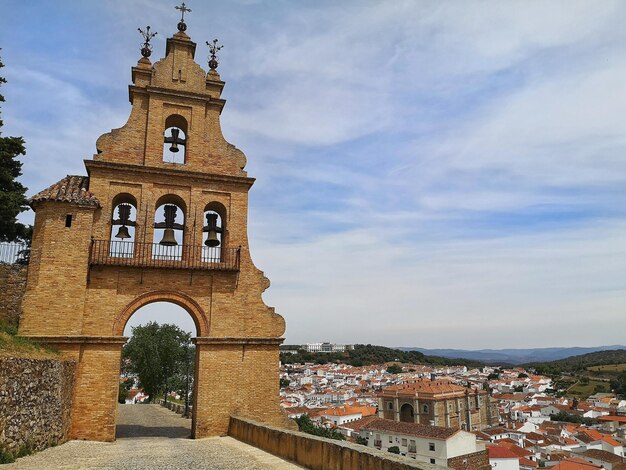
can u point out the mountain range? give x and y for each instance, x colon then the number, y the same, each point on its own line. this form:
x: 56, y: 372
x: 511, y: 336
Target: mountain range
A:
x: 512, y: 356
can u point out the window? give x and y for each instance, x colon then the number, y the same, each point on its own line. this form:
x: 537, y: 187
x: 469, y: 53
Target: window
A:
x: 425, y: 409
x: 404, y: 442
x: 175, y: 139
x: 390, y: 439
x: 68, y: 220
x: 390, y: 405
x: 431, y: 446
x: 432, y: 461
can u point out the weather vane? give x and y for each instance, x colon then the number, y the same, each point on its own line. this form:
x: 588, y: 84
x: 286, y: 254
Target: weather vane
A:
x: 183, y: 9
x: 146, y: 48
x: 213, y: 49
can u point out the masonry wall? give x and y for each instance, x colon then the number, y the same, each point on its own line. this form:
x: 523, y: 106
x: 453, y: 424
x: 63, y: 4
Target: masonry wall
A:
x: 318, y: 453
x: 475, y: 461
x: 35, y: 402
x: 12, y: 285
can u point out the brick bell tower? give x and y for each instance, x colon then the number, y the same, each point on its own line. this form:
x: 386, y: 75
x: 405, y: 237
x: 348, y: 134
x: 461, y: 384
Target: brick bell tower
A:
x: 161, y: 216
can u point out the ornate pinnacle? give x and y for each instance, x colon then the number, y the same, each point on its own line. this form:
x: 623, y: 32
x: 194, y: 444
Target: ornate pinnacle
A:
x: 181, y: 24
x: 213, y: 50
x: 146, y: 48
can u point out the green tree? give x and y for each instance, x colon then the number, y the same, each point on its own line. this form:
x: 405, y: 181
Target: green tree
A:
x: 284, y: 383
x: 306, y: 425
x: 157, y: 354
x: 12, y: 192
x: 394, y: 369
x: 618, y: 384
x: 394, y: 450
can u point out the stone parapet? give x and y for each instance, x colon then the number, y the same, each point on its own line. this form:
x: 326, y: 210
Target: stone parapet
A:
x: 35, y: 402
x: 319, y: 453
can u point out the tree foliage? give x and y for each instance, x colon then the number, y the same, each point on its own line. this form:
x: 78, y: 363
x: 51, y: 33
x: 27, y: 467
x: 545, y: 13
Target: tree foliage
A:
x: 368, y: 354
x: 159, y: 355
x: 618, y: 384
x: 12, y: 192
x: 394, y: 369
x: 572, y: 418
x: 394, y: 450
x: 306, y: 425
x: 580, y: 362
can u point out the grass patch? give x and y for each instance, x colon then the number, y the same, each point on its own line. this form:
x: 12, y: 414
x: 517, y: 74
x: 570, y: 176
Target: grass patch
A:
x: 12, y: 345
x: 584, y: 390
x: 609, y: 368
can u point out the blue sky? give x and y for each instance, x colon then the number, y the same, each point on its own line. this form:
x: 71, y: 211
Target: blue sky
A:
x: 429, y: 173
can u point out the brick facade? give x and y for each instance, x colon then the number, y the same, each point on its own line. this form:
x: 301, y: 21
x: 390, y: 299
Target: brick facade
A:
x: 81, y: 307
x: 437, y: 403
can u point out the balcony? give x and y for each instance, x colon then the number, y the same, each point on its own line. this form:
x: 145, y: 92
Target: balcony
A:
x: 154, y: 255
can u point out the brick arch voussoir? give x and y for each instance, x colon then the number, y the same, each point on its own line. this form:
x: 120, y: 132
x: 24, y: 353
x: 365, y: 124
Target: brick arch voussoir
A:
x: 192, y: 307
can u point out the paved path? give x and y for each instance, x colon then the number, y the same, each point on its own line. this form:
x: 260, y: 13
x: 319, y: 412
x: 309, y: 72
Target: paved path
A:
x: 152, y: 437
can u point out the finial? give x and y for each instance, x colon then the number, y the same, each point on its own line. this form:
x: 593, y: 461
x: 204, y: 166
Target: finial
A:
x: 181, y: 24
x: 146, y: 48
x: 213, y: 49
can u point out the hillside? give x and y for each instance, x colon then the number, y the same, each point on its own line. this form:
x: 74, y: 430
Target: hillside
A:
x: 514, y: 356
x: 583, y: 361
x: 368, y: 354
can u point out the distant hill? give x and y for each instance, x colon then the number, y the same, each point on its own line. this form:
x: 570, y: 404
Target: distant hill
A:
x: 368, y: 354
x: 581, y: 362
x: 513, y: 356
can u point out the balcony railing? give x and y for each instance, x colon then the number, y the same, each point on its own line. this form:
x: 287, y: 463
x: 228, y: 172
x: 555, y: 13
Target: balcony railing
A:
x: 14, y: 253
x: 154, y: 255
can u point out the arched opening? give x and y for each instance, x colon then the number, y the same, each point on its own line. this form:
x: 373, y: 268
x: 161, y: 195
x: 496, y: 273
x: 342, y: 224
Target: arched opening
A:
x: 123, y: 226
x: 175, y: 139
x: 157, y: 383
x: 407, y: 414
x: 214, y: 232
x: 169, y: 228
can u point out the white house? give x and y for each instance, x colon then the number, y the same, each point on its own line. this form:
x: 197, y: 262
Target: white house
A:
x: 502, y: 459
x: 432, y: 444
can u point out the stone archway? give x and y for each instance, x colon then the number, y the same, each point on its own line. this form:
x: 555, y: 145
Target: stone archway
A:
x: 192, y: 307
x: 407, y: 414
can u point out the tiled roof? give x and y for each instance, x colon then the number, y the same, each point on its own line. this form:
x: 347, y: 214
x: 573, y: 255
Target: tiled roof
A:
x: 410, y: 429
x: 425, y: 387
x: 73, y: 189
x: 602, y: 455
x: 497, y: 452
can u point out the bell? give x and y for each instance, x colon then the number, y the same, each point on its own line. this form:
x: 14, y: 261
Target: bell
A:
x: 175, y: 140
x: 212, y: 239
x: 168, y: 238
x: 123, y: 232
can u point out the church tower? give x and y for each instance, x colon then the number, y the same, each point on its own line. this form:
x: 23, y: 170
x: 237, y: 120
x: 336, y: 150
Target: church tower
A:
x: 160, y: 216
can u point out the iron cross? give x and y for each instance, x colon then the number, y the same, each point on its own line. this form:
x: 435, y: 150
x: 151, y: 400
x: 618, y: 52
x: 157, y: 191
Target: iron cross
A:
x: 183, y: 9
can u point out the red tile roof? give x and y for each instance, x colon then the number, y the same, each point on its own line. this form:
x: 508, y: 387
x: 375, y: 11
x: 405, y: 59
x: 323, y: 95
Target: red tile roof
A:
x: 411, y: 429
x: 73, y: 189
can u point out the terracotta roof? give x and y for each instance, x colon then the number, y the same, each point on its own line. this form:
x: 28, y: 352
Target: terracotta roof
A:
x: 575, y: 464
x: 426, y: 387
x: 411, y: 429
x: 497, y: 452
x: 359, y: 423
x: 350, y: 410
x: 73, y: 189
x: 603, y: 455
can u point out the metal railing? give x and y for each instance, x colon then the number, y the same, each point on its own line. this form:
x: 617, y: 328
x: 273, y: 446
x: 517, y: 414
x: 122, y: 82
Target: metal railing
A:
x: 154, y: 255
x: 14, y: 253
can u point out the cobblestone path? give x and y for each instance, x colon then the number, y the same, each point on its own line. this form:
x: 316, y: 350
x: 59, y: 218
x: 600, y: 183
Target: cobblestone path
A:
x: 152, y: 437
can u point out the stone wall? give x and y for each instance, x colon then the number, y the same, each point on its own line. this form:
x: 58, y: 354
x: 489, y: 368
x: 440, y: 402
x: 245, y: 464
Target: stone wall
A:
x: 12, y: 285
x: 319, y: 453
x: 35, y: 402
x: 476, y: 461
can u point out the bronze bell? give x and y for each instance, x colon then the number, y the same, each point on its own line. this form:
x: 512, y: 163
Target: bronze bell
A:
x: 211, y: 227
x: 168, y: 238
x: 175, y: 140
x: 212, y: 239
x: 123, y: 232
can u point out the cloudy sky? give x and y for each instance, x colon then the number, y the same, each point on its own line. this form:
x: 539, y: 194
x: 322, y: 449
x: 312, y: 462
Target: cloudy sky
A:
x: 429, y: 173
